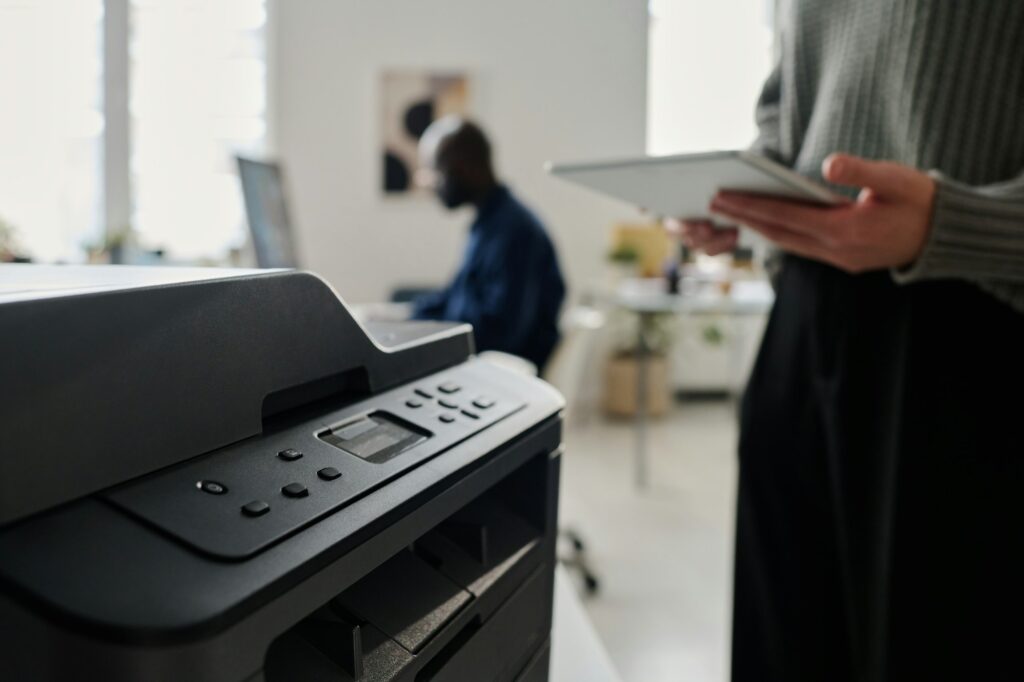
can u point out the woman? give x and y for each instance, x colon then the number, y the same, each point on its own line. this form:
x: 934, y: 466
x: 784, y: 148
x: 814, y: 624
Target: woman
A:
x: 879, y: 531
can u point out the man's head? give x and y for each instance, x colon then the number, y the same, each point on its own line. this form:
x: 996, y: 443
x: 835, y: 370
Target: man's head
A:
x: 458, y: 153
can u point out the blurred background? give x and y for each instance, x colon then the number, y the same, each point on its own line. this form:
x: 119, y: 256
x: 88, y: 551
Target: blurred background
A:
x: 120, y: 126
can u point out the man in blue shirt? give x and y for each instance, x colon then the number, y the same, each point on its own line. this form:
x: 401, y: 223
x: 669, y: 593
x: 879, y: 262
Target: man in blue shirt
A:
x: 509, y: 286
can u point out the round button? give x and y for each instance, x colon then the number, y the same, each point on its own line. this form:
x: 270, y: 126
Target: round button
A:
x: 328, y: 473
x: 295, y: 490
x: 256, y: 508
x: 212, y: 487
x: 290, y: 455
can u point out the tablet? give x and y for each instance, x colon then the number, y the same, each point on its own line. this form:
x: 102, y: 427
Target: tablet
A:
x: 682, y: 186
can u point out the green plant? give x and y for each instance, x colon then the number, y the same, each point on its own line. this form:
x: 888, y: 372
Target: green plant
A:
x: 111, y: 243
x: 713, y: 335
x: 7, y: 232
x: 624, y: 254
x: 8, y: 240
x: 656, y: 329
x: 117, y: 238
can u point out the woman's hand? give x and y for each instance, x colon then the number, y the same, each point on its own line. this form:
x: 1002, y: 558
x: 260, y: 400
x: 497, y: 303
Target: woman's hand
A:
x: 704, y: 236
x: 885, y: 227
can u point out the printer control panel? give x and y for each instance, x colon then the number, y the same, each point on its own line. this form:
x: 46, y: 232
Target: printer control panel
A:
x: 237, y: 501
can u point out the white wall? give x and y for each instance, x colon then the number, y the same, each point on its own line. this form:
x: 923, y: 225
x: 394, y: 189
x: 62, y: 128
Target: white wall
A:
x: 708, y: 61
x: 554, y: 79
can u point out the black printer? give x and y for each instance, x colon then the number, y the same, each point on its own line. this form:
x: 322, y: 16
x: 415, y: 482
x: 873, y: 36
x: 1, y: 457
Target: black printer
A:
x: 222, y: 475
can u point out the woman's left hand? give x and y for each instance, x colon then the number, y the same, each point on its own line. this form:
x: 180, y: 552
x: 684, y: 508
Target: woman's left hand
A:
x: 885, y: 227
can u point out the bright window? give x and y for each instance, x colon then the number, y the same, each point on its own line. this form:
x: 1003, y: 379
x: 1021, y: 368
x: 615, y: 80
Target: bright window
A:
x: 707, y: 61
x: 51, y: 125
x: 198, y: 96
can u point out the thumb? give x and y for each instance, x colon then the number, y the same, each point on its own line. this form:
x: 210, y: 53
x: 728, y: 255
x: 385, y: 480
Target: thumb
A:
x: 883, y: 178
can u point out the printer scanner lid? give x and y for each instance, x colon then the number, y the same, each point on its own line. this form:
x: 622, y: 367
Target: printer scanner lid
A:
x: 112, y: 372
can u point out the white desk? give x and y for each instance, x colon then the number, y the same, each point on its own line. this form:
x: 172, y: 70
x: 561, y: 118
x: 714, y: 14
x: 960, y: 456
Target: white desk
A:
x: 647, y: 299
x: 745, y: 297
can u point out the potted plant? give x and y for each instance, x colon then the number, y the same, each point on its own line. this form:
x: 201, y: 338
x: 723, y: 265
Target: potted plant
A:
x: 113, y: 248
x: 622, y: 370
x: 623, y: 259
x: 8, y: 242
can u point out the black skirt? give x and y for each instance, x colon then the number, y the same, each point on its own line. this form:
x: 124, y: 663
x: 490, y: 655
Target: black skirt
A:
x: 881, y: 498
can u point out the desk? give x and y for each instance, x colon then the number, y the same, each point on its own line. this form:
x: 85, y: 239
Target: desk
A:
x: 647, y: 299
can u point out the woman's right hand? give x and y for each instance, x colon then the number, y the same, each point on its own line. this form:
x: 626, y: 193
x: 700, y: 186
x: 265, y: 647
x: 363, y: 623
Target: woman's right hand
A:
x: 703, y: 235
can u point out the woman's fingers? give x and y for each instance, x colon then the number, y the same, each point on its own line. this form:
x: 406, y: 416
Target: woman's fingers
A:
x: 703, y: 235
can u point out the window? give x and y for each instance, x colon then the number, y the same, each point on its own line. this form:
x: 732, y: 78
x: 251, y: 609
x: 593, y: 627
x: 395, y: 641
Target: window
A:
x: 197, y: 97
x: 51, y: 125
x: 707, y: 62
x: 195, y: 75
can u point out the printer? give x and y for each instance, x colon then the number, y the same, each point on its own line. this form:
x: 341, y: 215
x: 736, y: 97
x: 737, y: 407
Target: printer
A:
x: 222, y: 475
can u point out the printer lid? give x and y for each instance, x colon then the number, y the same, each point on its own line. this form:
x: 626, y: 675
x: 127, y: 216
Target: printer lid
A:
x: 24, y: 282
x: 112, y: 372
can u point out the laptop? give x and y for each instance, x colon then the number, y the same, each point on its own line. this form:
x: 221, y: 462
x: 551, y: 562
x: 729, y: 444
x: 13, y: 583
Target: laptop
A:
x: 266, y: 208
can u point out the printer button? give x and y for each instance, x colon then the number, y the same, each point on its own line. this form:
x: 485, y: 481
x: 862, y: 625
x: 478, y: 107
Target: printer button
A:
x: 449, y: 404
x: 255, y: 508
x: 471, y: 415
x: 413, y: 403
x: 483, y: 403
x: 447, y: 418
x: 295, y: 490
x: 424, y: 394
x: 328, y: 473
x: 290, y: 455
x: 449, y: 387
x: 212, y: 487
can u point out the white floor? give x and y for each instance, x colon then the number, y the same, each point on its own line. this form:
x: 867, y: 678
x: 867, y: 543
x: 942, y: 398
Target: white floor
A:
x: 664, y: 555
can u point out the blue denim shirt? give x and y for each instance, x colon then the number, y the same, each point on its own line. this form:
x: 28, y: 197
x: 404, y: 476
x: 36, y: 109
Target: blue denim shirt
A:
x: 509, y: 286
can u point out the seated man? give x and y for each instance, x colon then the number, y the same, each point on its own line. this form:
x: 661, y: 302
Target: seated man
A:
x: 509, y: 286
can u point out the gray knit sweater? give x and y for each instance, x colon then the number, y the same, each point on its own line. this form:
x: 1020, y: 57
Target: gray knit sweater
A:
x: 935, y: 84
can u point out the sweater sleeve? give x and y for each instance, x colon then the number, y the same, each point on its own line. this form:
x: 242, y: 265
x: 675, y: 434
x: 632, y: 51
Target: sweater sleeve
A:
x: 977, y: 234
x: 767, y: 115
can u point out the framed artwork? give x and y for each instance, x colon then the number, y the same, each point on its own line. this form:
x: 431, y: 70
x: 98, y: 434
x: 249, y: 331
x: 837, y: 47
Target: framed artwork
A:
x: 410, y: 101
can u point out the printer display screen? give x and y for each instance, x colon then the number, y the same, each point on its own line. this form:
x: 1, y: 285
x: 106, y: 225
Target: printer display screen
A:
x: 376, y: 437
